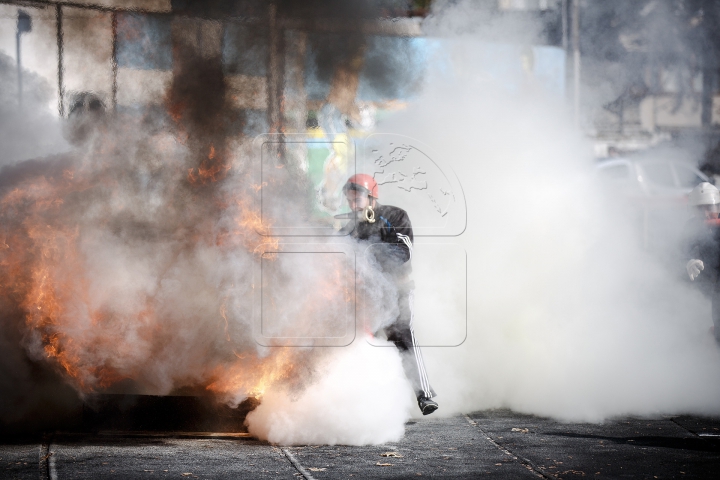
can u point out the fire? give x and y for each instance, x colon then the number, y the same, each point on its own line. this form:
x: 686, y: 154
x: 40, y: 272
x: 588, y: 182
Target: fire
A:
x: 212, y: 169
x: 45, y: 272
x: 126, y: 262
x: 37, y: 266
x: 253, y: 376
x: 249, y: 225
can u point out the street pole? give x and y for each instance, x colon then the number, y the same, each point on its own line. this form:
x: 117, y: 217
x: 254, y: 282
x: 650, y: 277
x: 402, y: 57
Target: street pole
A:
x: 273, y: 75
x: 24, y: 25
x: 114, y: 60
x: 61, y: 86
x: 19, y: 67
x: 575, y: 27
x: 564, y: 24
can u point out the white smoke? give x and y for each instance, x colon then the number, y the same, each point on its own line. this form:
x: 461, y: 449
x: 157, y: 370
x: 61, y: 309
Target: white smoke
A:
x: 361, y: 397
x: 567, y: 315
x: 28, y: 130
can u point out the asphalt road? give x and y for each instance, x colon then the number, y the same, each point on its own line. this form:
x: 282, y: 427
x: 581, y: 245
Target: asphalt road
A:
x: 493, y: 444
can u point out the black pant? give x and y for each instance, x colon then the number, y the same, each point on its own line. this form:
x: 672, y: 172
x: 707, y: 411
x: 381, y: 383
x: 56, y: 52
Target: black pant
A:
x: 402, y: 335
x: 716, y: 310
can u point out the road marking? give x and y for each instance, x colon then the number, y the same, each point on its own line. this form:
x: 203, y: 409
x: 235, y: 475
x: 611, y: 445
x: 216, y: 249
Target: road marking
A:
x: 296, y: 464
x: 522, y: 460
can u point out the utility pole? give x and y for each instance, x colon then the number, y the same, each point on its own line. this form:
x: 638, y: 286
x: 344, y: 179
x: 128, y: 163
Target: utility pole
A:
x: 275, y: 71
x: 24, y: 25
x: 114, y: 59
x: 564, y: 24
x: 61, y: 86
x: 575, y: 34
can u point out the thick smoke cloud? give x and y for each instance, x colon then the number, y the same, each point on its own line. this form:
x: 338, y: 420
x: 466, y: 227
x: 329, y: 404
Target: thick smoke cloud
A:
x: 128, y: 265
x: 568, y: 316
x: 360, y: 397
x: 128, y: 262
x: 28, y: 130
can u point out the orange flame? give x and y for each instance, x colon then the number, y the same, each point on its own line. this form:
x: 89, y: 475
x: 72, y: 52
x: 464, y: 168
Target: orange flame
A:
x: 210, y: 169
x: 252, y: 375
x: 44, y: 272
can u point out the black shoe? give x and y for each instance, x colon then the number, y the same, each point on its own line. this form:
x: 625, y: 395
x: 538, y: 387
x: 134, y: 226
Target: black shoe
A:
x: 427, y: 406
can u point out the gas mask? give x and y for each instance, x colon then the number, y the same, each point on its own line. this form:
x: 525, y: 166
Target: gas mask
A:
x: 367, y: 214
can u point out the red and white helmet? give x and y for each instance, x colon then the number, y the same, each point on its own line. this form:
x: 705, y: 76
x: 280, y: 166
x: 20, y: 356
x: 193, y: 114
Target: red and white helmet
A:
x: 362, y: 182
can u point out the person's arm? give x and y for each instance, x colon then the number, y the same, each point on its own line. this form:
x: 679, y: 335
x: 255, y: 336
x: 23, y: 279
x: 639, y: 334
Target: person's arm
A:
x: 397, y: 233
x: 701, y: 251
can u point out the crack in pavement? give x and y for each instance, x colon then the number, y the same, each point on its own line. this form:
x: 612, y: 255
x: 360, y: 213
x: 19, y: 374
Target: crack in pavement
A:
x: 694, y: 434
x: 43, y: 455
x: 296, y: 464
x: 520, y: 459
x: 46, y: 461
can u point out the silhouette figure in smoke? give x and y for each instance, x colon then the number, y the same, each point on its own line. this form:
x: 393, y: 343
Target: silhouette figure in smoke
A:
x: 388, y: 228
x: 86, y: 117
x: 703, y: 246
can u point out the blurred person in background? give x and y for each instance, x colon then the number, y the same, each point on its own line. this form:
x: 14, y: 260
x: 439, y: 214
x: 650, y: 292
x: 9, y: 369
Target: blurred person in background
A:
x: 389, y: 231
x: 87, y: 116
x: 703, y: 246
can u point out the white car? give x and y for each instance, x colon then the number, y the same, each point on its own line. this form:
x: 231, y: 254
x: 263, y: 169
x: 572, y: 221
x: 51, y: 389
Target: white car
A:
x: 660, y: 179
x: 654, y: 193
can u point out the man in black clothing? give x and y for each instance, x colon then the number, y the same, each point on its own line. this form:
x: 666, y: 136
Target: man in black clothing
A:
x: 389, y: 231
x: 703, y: 246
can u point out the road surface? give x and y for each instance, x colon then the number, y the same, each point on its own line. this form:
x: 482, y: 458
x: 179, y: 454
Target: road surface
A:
x: 494, y: 444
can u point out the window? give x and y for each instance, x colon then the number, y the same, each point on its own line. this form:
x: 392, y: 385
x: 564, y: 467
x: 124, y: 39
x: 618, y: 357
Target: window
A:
x: 144, y: 41
x: 615, y: 172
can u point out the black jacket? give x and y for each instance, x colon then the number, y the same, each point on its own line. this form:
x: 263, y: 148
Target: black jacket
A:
x: 703, y: 243
x: 392, y: 237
